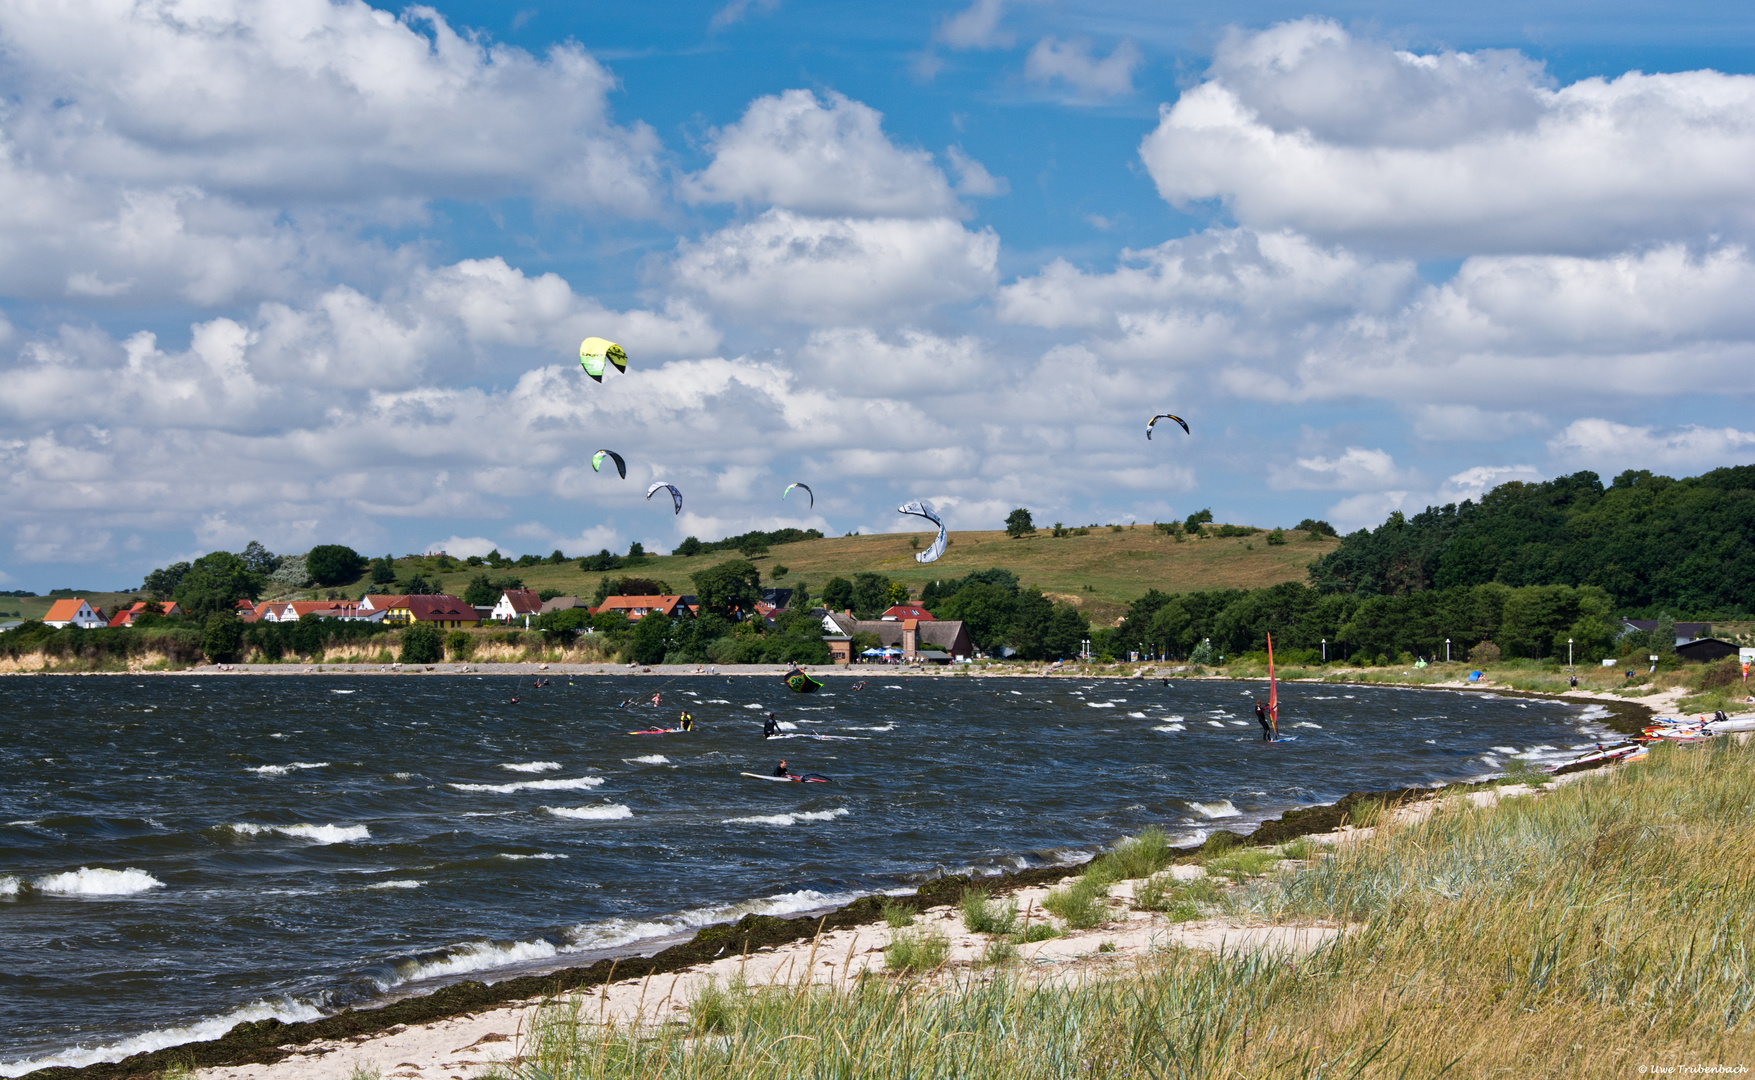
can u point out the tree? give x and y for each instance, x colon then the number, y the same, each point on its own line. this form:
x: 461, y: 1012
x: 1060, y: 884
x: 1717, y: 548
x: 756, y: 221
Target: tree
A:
x: 1316, y: 526
x: 333, y: 564
x: 636, y: 551
x: 690, y: 546
x: 216, y: 582
x: 260, y: 559
x: 1197, y: 519
x: 555, y: 557
x: 481, y: 592
x: 383, y: 571
x: 871, y: 594
x: 729, y: 586
x: 422, y: 643
x: 221, y: 634
x: 651, y: 640
x: 750, y: 546
x: 162, y: 584
x: 1018, y: 523
x: 897, y: 594
x: 420, y: 586
x: 838, y: 594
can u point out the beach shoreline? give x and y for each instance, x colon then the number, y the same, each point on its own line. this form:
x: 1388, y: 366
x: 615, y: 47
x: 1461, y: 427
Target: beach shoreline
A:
x: 260, y: 1044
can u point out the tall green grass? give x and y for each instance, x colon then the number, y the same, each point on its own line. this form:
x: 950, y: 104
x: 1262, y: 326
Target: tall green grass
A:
x: 1600, y: 926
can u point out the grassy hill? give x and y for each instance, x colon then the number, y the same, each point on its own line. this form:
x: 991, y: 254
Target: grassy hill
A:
x: 1101, y: 572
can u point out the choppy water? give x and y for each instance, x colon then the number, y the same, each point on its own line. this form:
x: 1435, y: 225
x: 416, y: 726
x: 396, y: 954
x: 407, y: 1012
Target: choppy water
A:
x: 178, y: 855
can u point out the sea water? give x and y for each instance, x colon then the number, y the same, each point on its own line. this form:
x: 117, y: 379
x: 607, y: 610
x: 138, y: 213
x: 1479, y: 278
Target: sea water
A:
x: 182, y: 854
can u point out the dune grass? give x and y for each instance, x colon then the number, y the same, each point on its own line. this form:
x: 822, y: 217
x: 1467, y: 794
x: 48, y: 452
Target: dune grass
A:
x: 1601, y: 926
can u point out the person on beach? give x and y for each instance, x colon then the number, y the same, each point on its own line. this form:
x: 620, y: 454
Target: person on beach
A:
x: 1261, y: 717
x: 781, y: 769
x: 687, y: 722
x: 770, y: 727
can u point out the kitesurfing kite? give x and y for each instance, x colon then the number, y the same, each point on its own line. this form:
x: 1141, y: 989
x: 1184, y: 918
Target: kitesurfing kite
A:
x: 675, y: 495
x: 1166, y: 416
x: 620, y: 465
x: 800, y: 683
x: 593, y: 351
x: 920, y: 509
x: 807, y: 491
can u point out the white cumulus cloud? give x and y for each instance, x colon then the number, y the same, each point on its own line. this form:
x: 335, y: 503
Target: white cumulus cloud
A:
x: 1305, y: 126
x: 820, y: 157
x: 837, y: 270
x: 1610, y: 447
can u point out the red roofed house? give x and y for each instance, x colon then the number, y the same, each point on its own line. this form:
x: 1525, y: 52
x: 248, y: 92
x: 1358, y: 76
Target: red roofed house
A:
x: 382, y: 601
x: 908, y: 611
x: 127, y: 615
x: 74, y: 611
x: 638, y: 607
x: 446, y: 612
x: 517, y: 604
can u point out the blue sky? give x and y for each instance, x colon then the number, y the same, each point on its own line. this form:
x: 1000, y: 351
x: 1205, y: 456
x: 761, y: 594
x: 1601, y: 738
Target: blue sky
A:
x: 313, y: 272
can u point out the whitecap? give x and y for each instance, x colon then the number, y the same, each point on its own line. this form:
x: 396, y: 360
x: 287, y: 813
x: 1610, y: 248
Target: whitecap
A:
x: 568, y: 784
x: 1308, y: 724
x: 1169, y: 727
x: 1137, y: 715
x: 1215, y: 723
x: 316, y: 834
x: 755, y: 706
x: 1098, y: 705
x: 884, y: 727
x: 277, y: 735
x: 531, y: 766
x: 539, y: 855
x: 717, y: 701
x: 282, y: 770
x: 344, y: 691
x: 789, y: 819
x: 200, y: 1031
x: 605, y: 812
x: 467, y: 957
x: 891, y: 686
x: 1239, y: 723
x: 1222, y: 808
x: 100, y: 882
x: 786, y: 725
x: 1510, y: 750
x: 9, y: 885
x: 650, y: 759
x: 1020, y: 693
x: 398, y: 883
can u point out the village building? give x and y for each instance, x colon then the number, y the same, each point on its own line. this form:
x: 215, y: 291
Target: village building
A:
x: 933, y: 640
x: 445, y: 612
x: 516, y: 604
x: 126, y: 616
x: 562, y: 603
x: 74, y: 611
x: 909, y: 611
x: 638, y: 607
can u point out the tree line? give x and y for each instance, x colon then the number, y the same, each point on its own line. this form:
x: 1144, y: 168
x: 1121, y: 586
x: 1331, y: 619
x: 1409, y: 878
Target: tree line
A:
x: 1653, y: 544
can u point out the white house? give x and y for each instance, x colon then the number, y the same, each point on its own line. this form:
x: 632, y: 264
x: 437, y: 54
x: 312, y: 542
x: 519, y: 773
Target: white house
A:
x: 74, y: 611
x: 516, y: 604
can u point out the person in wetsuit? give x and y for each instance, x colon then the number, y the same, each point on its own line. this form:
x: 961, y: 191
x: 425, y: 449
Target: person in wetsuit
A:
x: 1261, y: 717
x: 687, y: 723
x: 781, y: 769
x: 770, y: 727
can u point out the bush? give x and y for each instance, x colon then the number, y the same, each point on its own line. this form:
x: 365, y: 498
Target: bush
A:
x: 221, y: 635
x: 422, y: 644
x: 460, y: 644
x: 919, y: 950
x: 984, y: 916
x: 1080, y: 905
x: 1484, y: 653
x: 1277, y: 537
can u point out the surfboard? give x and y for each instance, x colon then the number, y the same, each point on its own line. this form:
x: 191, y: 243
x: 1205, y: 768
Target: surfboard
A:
x: 658, y: 731
x: 806, y: 779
